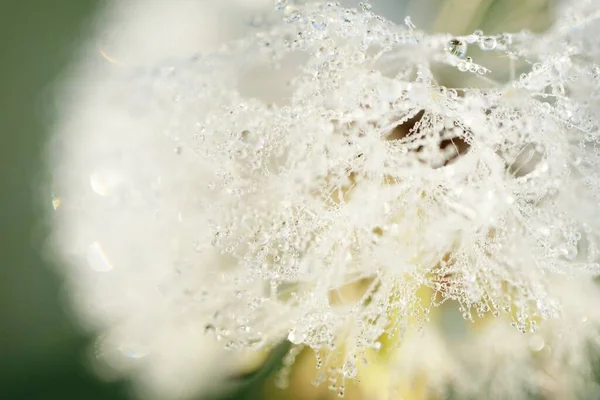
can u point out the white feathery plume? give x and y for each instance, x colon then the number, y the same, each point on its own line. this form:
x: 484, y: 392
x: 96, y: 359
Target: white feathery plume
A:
x: 309, y: 180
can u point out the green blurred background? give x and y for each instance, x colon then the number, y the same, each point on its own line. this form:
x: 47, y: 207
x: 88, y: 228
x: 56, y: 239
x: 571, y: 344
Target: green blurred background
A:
x: 41, y: 351
x: 40, y: 348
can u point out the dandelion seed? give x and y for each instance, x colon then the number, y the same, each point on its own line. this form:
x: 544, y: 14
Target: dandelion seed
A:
x: 360, y: 205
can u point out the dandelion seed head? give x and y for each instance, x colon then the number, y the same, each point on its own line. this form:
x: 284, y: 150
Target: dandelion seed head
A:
x: 325, y: 175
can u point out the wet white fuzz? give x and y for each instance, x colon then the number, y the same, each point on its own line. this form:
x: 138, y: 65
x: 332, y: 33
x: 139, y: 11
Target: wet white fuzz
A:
x: 306, y: 181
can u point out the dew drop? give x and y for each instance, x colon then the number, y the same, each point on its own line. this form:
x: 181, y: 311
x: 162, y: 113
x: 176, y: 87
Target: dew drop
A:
x: 409, y: 24
x: 209, y: 328
x: 97, y: 259
x: 104, y: 181
x: 505, y: 40
x: 133, y: 351
x: 358, y: 57
x: 365, y: 6
x: 55, y: 201
x: 488, y: 43
x: 456, y: 47
x: 296, y: 337
x: 263, y: 238
x: 280, y: 4
x: 319, y: 25
x: 349, y: 370
x: 536, y: 343
x: 569, y: 252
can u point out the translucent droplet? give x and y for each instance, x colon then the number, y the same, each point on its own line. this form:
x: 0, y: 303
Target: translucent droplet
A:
x: 358, y: 57
x: 569, y: 252
x: 457, y: 48
x: 133, y: 351
x: 349, y: 370
x: 55, y: 201
x: 291, y: 13
x: 104, y: 181
x: 241, y: 154
x: 488, y: 43
x: 409, y: 24
x: 280, y: 4
x: 319, y: 25
x: 296, y: 337
x: 209, y: 328
x: 505, y: 40
x: 263, y: 238
x: 594, y: 268
x: 537, y: 343
x: 365, y: 6
x: 97, y: 259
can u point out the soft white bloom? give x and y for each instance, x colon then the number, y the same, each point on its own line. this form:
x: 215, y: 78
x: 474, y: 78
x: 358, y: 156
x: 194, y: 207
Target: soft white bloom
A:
x: 308, y: 181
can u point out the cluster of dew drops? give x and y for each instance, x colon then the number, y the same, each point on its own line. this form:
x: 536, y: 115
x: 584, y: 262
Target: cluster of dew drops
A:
x: 311, y: 25
x: 257, y: 147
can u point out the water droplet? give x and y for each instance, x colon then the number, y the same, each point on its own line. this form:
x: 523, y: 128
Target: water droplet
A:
x: 536, y: 343
x: 241, y: 154
x: 319, y: 25
x: 296, y: 337
x: 133, y: 351
x: 358, y: 57
x: 209, y: 328
x: 349, y: 370
x: 97, y: 259
x: 291, y: 13
x: 505, y: 40
x: 104, y: 181
x: 280, y: 4
x: 488, y: 43
x: 569, y: 252
x: 55, y: 201
x: 262, y: 238
x: 365, y: 6
x: 456, y: 47
x: 409, y: 24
